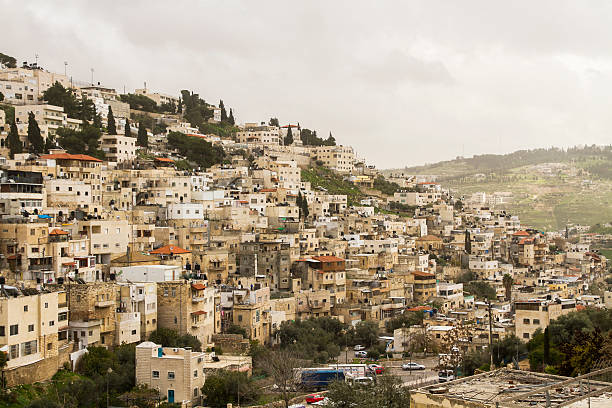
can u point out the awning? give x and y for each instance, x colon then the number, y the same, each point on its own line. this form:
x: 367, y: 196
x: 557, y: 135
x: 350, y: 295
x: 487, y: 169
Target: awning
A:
x: 198, y: 312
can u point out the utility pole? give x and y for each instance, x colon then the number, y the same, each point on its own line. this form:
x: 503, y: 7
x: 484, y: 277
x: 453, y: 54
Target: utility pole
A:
x: 65, y: 67
x: 490, y: 334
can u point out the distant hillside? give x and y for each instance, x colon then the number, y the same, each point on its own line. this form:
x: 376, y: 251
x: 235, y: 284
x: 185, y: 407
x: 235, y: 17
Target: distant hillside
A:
x: 597, y: 160
x: 550, y: 187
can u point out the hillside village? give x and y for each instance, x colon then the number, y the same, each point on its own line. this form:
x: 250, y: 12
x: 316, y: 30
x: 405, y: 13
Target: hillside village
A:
x: 123, y: 215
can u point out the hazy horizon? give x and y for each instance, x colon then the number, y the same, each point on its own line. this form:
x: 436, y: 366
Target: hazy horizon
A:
x: 403, y: 83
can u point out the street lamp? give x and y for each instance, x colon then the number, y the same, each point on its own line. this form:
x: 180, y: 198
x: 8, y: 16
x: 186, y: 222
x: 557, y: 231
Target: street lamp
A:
x: 110, y: 370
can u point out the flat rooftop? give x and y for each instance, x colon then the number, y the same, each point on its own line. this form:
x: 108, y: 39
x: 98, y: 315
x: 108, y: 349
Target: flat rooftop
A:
x: 514, y: 388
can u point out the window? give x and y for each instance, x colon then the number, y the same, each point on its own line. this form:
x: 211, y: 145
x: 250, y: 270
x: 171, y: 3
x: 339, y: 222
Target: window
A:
x: 46, y: 305
x: 525, y: 335
x: 29, y: 347
x: 155, y: 374
x: 2, y: 331
x: 195, y: 392
x: 51, y: 322
x: 49, y: 346
x: 239, y: 318
x: 525, y: 321
x: 14, y: 353
x: 30, y: 327
x: 14, y: 329
x: 195, y: 373
x: 133, y: 331
x: 171, y: 375
x: 25, y: 308
x: 62, y: 316
x: 536, y: 321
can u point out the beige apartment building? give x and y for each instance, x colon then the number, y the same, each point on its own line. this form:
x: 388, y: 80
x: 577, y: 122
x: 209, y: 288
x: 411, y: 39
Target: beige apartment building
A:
x: 252, y: 312
x: 187, y: 307
x: 49, y: 119
x: 93, y: 314
x: 33, y: 333
x: 338, y: 158
x: 535, y: 314
x: 78, y: 167
x: 68, y: 194
x: 138, y: 300
x: 118, y: 149
x: 177, y: 373
x: 159, y: 98
x: 259, y: 135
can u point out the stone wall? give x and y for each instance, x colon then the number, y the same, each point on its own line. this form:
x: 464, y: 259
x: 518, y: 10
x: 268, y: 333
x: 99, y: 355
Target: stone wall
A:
x: 41, y: 370
x: 231, y: 343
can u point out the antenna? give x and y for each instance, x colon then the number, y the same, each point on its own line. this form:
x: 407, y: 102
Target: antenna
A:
x: 36, y: 56
x: 65, y: 67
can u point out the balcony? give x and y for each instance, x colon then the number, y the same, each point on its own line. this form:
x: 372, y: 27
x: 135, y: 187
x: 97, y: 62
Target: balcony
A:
x: 196, y: 299
x: 104, y: 303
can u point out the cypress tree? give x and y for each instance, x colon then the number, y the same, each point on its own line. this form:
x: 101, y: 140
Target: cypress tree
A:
x: 97, y: 121
x: 231, y: 118
x: 223, y: 111
x: 289, y: 138
x: 37, y: 144
x: 128, y: 131
x: 179, y: 109
x: 143, y: 139
x: 305, y: 210
x: 112, y: 129
x: 13, y: 141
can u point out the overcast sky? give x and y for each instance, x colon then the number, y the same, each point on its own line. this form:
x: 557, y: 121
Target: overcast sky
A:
x: 404, y: 82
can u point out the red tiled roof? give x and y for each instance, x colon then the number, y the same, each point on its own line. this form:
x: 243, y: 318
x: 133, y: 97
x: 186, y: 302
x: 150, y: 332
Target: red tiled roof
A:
x: 327, y: 258
x: 580, y: 307
x: 198, y: 286
x: 68, y: 156
x: 418, y: 309
x: 198, y: 312
x: 429, y: 238
x: 423, y: 274
x: 170, y: 250
x: 521, y: 234
x: 57, y: 231
x: 164, y: 159
x: 525, y: 241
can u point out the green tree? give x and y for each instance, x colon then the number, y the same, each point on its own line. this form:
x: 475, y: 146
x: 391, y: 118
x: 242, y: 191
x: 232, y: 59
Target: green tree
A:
x: 274, y: 122
x: 13, y: 141
x: 388, y: 392
x: 1, y: 96
x: 197, y: 150
x: 231, y: 119
x: 366, y: 333
x: 84, y: 141
x: 111, y: 126
x: 330, y: 141
x: 406, y: 319
x: 235, y: 329
x: 8, y: 61
x: 143, y: 139
x: 289, y: 138
x: 57, y: 95
x: 224, y: 387
x: 507, y: 282
x: 35, y: 140
x: 97, y: 121
x: 87, y: 109
x: 170, y: 338
x: 223, y: 111
x: 480, y: 290
x: 128, y: 130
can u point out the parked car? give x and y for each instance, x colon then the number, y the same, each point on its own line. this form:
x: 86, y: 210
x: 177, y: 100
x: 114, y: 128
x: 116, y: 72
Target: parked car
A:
x: 312, y: 398
x: 446, y: 375
x: 323, y: 402
x: 360, y: 380
x: 378, y: 369
x: 359, y: 347
x: 361, y: 354
x: 412, y: 366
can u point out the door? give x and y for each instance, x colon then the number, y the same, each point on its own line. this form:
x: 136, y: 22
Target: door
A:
x: 170, y: 396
